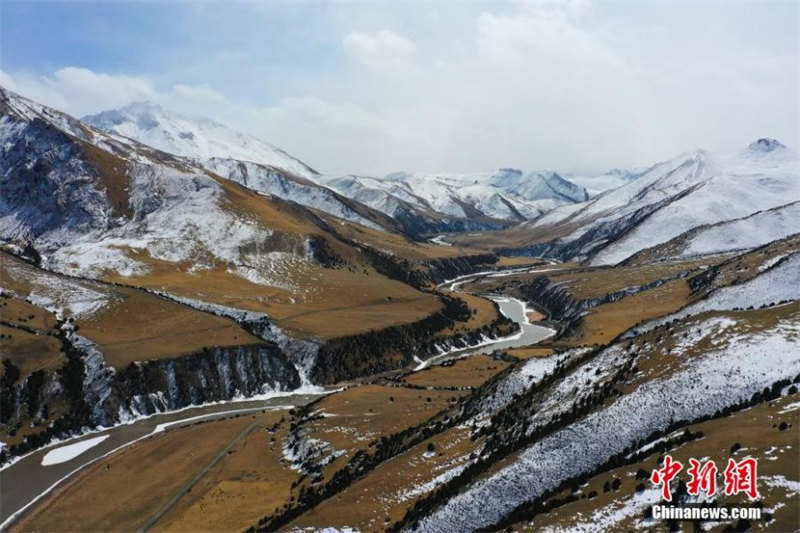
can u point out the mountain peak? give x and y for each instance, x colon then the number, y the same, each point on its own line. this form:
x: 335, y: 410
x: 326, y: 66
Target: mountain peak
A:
x: 766, y: 145
x: 139, y: 106
x: 202, y: 138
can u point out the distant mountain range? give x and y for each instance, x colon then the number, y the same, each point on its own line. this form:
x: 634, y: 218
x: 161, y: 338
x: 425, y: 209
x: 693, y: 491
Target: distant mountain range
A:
x: 421, y: 203
x: 102, y: 205
x: 693, y: 204
x: 117, y: 177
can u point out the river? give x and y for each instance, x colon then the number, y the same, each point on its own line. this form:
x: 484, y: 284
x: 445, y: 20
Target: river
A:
x: 26, y: 481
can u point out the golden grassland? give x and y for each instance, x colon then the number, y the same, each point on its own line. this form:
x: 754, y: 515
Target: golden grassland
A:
x: 130, y: 326
x: 528, y: 353
x: 254, y: 480
x: 398, y: 244
x: 756, y: 430
x: 338, y: 302
x: 357, y: 417
x: 515, y: 237
x: 122, y: 492
x: 247, y: 483
x: 470, y: 371
x: 509, y: 261
x: 385, y: 493
x: 597, y: 282
x: 18, y: 312
x: 607, y: 321
x: 29, y: 352
x: 251, y: 481
x: 330, y: 302
x: 136, y: 326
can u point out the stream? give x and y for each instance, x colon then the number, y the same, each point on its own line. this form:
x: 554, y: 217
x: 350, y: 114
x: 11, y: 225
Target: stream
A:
x: 26, y: 481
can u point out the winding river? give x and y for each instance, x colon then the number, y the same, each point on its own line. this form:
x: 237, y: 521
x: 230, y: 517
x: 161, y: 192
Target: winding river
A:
x: 26, y: 481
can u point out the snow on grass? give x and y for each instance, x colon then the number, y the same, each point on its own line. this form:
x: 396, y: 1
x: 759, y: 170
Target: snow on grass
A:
x: 791, y: 486
x: 515, y: 383
x: 428, y: 486
x: 439, y: 239
x: 780, y: 283
x: 269, y: 181
x: 71, y: 451
x: 182, y: 218
x: 63, y: 296
x: 775, y: 285
x: 789, y: 408
x: 750, y: 232
x: 606, y: 518
x: 704, y: 385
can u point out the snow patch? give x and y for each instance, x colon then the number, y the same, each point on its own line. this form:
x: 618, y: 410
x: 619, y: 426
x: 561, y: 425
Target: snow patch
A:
x: 71, y: 451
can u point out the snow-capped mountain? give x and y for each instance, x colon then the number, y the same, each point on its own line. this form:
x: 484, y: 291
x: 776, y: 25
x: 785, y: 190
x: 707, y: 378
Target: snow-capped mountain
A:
x: 503, y: 195
x: 738, y: 234
x: 100, y: 205
x: 233, y: 155
x: 597, y: 184
x: 693, y: 190
x: 199, y: 138
x: 421, y: 203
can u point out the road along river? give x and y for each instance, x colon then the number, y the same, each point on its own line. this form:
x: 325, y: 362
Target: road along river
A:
x: 26, y: 481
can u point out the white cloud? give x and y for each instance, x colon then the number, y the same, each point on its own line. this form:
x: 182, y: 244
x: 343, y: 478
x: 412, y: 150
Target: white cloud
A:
x: 200, y: 92
x: 382, y: 50
x: 79, y: 90
x: 562, y: 85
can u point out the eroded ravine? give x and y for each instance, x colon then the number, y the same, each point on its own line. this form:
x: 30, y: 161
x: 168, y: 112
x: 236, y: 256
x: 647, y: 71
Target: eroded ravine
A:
x: 26, y: 481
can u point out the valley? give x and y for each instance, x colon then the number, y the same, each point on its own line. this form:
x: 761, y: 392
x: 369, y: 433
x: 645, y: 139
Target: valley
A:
x: 241, y: 342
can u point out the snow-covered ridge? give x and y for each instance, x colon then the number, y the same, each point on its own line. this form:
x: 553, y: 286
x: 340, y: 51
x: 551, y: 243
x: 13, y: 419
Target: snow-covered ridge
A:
x: 91, y: 202
x: 199, y: 138
x: 231, y: 154
x: 744, y: 233
x: 506, y: 194
x: 740, y: 366
x: 678, y: 195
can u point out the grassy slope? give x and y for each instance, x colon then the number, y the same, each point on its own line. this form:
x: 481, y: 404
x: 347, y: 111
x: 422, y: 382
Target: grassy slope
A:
x: 130, y: 325
x: 137, y: 478
x: 753, y: 429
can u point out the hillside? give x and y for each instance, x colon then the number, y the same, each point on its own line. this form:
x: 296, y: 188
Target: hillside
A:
x: 340, y: 374
x: 198, y: 138
x: 714, y: 196
x: 486, y: 200
x: 234, y: 155
x: 419, y: 204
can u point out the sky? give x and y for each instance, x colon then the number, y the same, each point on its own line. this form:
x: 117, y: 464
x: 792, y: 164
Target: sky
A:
x: 372, y: 88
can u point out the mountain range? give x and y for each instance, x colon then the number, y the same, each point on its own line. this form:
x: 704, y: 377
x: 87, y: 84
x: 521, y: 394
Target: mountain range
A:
x: 432, y: 352
x: 120, y: 174
x: 693, y: 204
x: 421, y: 203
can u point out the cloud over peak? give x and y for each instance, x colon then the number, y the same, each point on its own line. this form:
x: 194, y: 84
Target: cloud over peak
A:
x: 435, y: 87
x: 382, y: 50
